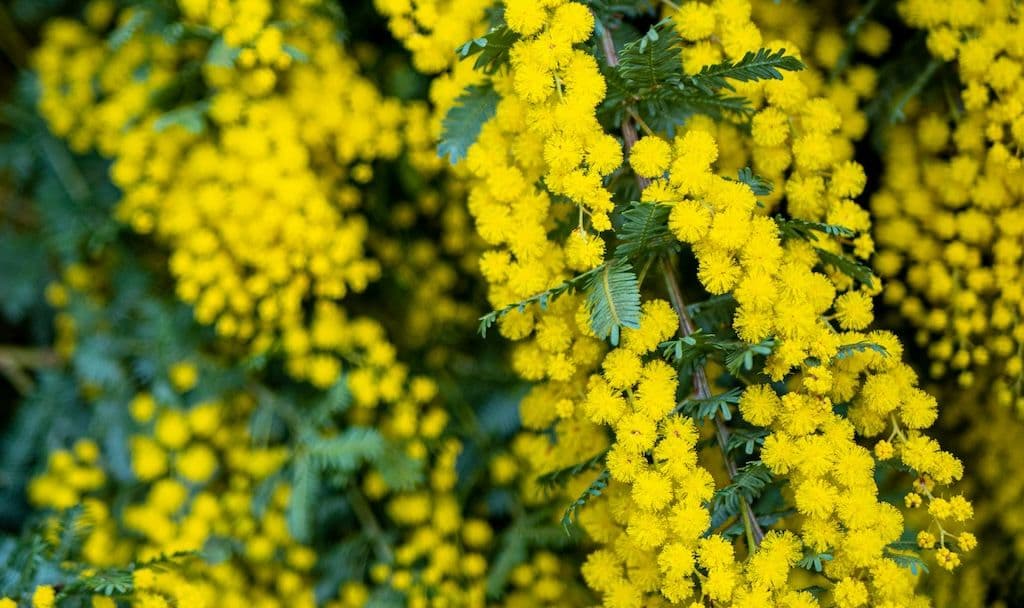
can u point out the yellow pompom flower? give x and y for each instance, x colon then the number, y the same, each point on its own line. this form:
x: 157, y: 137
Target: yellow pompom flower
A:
x: 650, y: 156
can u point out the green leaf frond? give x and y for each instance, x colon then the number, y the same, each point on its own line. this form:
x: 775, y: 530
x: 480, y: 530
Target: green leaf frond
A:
x: 346, y: 452
x: 794, y: 228
x: 848, y: 266
x: 595, y: 489
x: 613, y: 297
x: 709, y: 407
x: 741, y: 356
x: 525, y: 532
x: 905, y: 555
x: 745, y: 439
x: 714, y: 313
x: 760, y: 65
x: 760, y: 186
x: 644, y: 230
x: 461, y: 126
x: 491, y: 50
x: 750, y: 481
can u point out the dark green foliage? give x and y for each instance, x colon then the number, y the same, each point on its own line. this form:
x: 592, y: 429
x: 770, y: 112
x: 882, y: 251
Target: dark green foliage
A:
x: 650, y: 81
x: 615, y: 11
x: 749, y: 483
x: 746, y: 439
x: 714, y: 313
x: 303, y: 495
x: 333, y: 461
x: 191, y: 117
x: 613, y: 297
x: 346, y: 452
x: 693, y: 351
x: 765, y: 520
x: 343, y: 562
x: 491, y: 49
x: 709, y: 407
x: 758, y: 185
x: 652, y: 63
x: 741, y: 356
x: 24, y: 272
x: 462, y: 125
x: 848, y: 350
x: 399, y: 471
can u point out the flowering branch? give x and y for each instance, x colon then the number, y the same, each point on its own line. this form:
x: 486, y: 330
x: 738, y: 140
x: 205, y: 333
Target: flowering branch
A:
x: 753, y: 530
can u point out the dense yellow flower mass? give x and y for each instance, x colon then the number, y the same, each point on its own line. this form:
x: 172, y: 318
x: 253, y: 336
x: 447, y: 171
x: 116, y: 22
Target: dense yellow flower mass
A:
x: 689, y: 401
x: 256, y: 188
x: 653, y: 517
x: 949, y: 214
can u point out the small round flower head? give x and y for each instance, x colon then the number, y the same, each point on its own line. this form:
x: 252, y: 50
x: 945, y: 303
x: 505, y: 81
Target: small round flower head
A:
x: 650, y: 156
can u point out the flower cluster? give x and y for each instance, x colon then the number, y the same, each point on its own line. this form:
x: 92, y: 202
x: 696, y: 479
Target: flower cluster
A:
x: 277, y: 398
x: 254, y: 188
x: 949, y: 213
x: 652, y: 517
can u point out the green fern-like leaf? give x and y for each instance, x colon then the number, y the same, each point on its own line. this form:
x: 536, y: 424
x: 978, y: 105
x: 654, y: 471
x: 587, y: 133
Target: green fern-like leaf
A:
x: 848, y: 350
x: 741, y: 357
x: 851, y: 268
x: 760, y: 65
x: 346, y: 452
x: 714, y: 313
x: 906, y: 558
x: 613, y: 297
x: 305, y: 480
x: 681, y: 103
x: 530, y: 530
x: 709, y: 407
x: 746, y: 439
x: 653, y: 62
x: 462, y: 124
x: 191, y: 117
x: 650, y: 80
x: 595, y: 489
x: 757, y: 184
x: 105, y: 582
x: 491, y: 50
x: 692, y: 351
x: 513, y: 552
x: 399, y: 471
x: 645, y: 230
x: 749, y: 483
x: 794, y: 228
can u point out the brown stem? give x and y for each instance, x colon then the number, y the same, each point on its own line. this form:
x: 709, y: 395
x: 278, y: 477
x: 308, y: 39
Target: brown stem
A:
x: 16, y: 360
x: 629, y: 134
x: 703, y: 390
